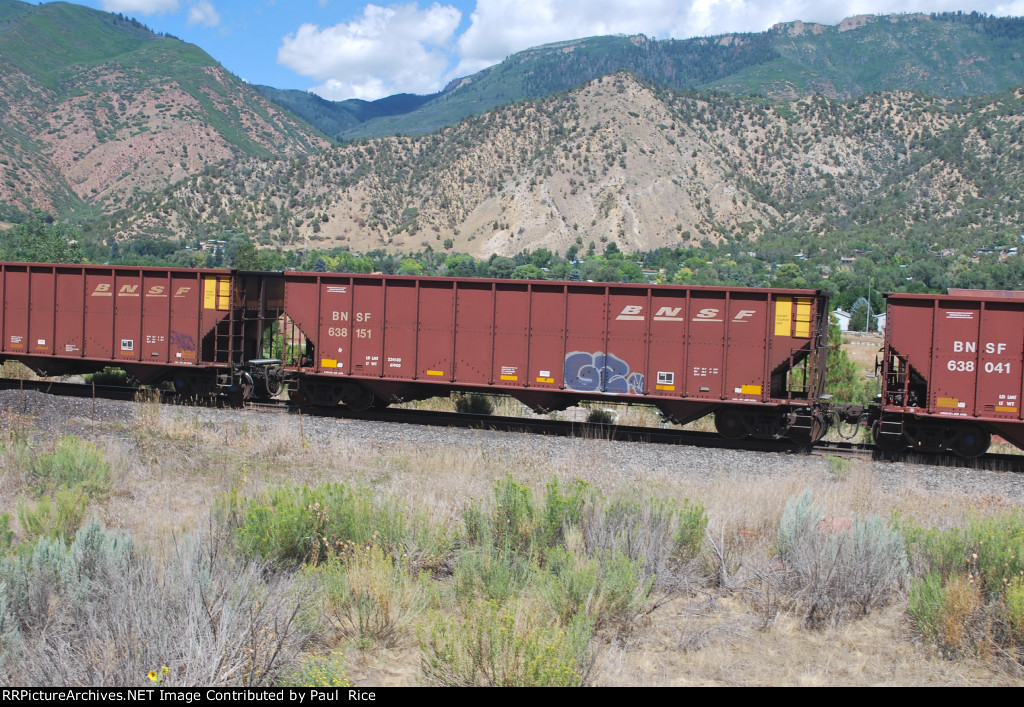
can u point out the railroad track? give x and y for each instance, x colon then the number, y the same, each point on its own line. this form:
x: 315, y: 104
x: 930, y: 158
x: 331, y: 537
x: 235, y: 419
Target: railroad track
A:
x: 559, y: 428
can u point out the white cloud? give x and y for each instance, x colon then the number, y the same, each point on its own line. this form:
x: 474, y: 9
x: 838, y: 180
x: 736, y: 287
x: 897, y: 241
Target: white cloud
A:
x: 393, y: 49
x: 203, y: 13
x: 140, y: 7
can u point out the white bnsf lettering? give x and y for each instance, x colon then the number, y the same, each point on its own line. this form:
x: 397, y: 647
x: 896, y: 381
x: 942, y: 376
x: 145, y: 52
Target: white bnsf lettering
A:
x: 339, y: 316
x: 128, y: 291
x: 182, y: 291
x: 103, y: 290
x: 631, y: 313
x: 634, y: 312
x: 707, y: 315
x: 362, y: 316
x: 668, y: 314
x: 156, y: 291
x: 995, y: 348
x: 965, y: 346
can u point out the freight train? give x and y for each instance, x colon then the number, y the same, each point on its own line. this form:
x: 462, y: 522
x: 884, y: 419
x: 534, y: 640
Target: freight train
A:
x: 754, y: 358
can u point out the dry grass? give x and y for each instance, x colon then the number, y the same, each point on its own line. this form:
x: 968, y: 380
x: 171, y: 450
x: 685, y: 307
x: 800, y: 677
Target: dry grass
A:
x: 175, y: 462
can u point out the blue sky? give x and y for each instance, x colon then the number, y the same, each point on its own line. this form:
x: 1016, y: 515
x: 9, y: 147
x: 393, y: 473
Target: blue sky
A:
x: 343, y: 49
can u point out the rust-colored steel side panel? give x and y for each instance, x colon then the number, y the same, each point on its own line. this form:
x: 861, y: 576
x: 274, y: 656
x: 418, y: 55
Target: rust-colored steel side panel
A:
x: 546, y: 360
x: 156, y: 326
x: 127, y: 315
x: 623, y: 370
x: 400, y: 312
x: 16, y: 298
x: 332, y: 333
x: 747, y: 349
x: 435, y: 341
x: 954, y: 358
x: 586, y: 338
x: 705, y: 348
x: 666, y: 351
x: 69, y: 337
x: 909, y: 329
x: 511, y: 337
x: 1000, y: 358
x: 184, y: 304
x: 42, y: 316
x: 99, y: 315
x: 367, y: 326
x: 474, y: 327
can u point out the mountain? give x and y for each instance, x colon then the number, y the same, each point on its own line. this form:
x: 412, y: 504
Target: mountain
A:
x: 950, y: 54
x: 619, y: 160
x: 96, y: 107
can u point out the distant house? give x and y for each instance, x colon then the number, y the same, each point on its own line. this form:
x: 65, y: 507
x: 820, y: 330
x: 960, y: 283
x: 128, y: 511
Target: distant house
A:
x: 843, y: 317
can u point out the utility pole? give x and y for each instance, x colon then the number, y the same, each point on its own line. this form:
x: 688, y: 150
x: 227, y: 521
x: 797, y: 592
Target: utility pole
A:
x: 867, y: 322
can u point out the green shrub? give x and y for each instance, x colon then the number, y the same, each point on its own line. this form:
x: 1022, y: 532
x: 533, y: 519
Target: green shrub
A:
x: 607, y: 589
x: 487, y: 572
x: 503, y: 645
x: 475, y: 403
x: 600, y: 416
x: 73, y: 463
x: 108, y: 376
x: 59, y: 519
x: 563, y: 509
x: 297, y: 524
x: 970, y: 596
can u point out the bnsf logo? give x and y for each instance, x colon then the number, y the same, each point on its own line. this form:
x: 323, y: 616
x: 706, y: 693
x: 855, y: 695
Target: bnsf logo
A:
x: 105, y: 289
x: 634, y: 312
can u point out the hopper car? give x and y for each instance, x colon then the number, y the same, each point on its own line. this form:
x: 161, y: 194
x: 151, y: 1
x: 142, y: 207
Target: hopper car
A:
x: 754, y: 358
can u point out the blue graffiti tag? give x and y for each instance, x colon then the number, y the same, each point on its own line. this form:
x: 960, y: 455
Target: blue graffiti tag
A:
x: 599, y: 372
x: 184, y: 342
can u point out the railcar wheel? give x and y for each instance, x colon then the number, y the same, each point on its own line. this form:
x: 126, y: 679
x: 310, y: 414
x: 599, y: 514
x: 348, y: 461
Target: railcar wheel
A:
x: 242, y: 389
x: 357, y: 398
x: 971, y: 442
x: 888, y: 443
x: 730, y: 425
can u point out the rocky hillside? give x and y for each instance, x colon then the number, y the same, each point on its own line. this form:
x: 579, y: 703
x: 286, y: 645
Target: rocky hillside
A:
x: 97, y: 107
x: 618, y: 160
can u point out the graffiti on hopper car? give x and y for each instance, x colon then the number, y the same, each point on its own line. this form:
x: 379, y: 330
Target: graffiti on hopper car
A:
x: 599, y: 372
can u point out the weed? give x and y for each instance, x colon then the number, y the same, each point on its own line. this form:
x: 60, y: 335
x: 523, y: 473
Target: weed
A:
x: 369, y: 597
x: 60, y: 518
x: 319, y: 671
x: 503, y: 645
x: 970, y: 597
x: 475, y: 403
x: 73, y: 463
x: 839, y: 468
x: 292, y: 525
